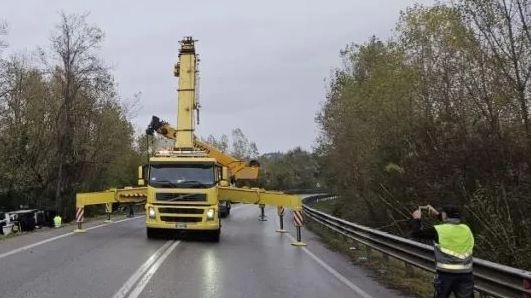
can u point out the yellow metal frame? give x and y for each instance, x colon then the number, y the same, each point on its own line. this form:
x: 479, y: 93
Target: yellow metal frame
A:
x: 113, y: 195
x: 259, y: 196
x: 233, y: 194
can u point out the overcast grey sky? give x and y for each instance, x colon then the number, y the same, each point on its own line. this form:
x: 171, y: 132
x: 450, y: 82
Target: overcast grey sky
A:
x: 263, y: 63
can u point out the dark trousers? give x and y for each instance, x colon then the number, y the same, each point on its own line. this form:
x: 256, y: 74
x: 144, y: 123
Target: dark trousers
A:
x: 461, y: 284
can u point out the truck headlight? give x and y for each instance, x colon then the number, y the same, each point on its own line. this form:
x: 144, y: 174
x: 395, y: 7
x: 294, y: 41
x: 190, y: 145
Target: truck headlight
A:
x: 151, y: 212
x: 210, y: 213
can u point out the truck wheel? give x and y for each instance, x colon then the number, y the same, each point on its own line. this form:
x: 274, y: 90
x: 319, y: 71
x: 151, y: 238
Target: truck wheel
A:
x: 151, y: 233
x: 215, y: 235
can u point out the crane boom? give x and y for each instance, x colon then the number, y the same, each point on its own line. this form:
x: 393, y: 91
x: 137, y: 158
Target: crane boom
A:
x: 186, y: 71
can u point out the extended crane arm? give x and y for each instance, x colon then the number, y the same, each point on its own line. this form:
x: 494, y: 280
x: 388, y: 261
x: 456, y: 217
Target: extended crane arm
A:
x: 113, y: 195
x: 260, y: 196
x: 239, y: 168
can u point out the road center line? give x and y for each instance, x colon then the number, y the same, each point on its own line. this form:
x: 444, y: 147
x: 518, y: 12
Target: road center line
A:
x: 20, y: 249
x: 129, y: 284
x: 150, y: 272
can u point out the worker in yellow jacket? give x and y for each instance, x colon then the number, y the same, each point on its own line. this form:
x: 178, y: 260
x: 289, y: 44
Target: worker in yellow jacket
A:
x: 57, y: 221
x: 453, y: 246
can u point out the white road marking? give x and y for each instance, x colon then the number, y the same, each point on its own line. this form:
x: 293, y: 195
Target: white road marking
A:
x: 150, y: 272
x: 130, y: 283
x: 331, y: 270
x: 20, y: 249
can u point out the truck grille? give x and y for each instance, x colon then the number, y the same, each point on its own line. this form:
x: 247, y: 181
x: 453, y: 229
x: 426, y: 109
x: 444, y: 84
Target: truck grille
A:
x: 181, y: 197
x: 180, y: 219
x: 181, y: 210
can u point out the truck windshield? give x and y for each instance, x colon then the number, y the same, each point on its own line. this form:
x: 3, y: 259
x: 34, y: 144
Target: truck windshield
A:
x: 182, y: 175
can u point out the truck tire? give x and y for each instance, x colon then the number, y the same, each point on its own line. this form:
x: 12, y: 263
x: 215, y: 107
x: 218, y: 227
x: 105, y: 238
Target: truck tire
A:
x: 151, y: 233
x: 215, y: 235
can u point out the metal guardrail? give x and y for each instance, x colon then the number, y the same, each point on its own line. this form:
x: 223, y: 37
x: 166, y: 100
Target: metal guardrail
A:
x: 490, y: 278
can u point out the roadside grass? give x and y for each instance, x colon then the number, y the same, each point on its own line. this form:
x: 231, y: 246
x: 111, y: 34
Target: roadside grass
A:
x: 327, y: 206
x: 5, y: 237
x: 388, y: 270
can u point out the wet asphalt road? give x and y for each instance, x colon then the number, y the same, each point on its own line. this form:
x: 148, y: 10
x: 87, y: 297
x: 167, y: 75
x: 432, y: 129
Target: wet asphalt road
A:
x: 117, y: 260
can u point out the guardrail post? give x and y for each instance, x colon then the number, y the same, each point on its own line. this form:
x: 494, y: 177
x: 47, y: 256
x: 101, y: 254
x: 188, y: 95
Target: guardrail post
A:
x: 80, y: 211
x: 280, y: 211
x: 108, y: 210
x: 262, y: 216
x: 298, y: 221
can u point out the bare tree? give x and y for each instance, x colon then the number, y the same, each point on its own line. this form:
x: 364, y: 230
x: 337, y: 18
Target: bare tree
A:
x: 73, y: 46
x: 221, y: 143
x: 3, y: 32
x: 503, y: 27
x: 241, y: 146
x: 63, y: 127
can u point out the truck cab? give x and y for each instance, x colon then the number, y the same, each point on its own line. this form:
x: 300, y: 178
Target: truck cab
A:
x: 182, y: 195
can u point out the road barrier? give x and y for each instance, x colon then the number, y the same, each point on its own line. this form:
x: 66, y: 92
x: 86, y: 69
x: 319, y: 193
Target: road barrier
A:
x: 491, y: 279
x: 298, y: 222
x: 108, y: 211
x: 80, y: 217
x: 280, y: 212
x: 262, y: 216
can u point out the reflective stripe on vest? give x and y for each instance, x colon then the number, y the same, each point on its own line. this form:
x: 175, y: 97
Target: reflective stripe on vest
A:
x: 455, y: 267
x: 455, y: 254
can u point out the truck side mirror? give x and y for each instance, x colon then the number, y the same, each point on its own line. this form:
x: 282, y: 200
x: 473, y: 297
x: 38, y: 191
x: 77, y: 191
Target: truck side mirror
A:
x: 141, y: 181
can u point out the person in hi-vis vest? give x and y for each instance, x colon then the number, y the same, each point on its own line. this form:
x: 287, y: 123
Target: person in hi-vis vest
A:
x: 453, y: 246
x: 57, y: 221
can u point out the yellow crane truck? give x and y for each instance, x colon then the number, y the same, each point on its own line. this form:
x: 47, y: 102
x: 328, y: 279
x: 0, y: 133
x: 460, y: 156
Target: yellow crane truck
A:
x: 183, y: 185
